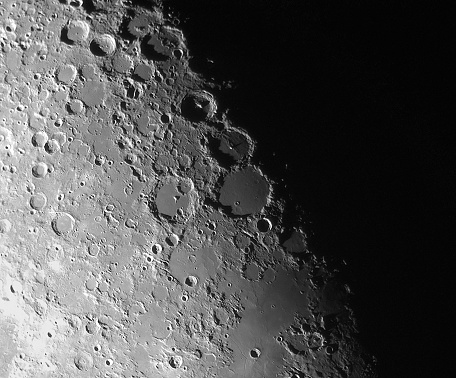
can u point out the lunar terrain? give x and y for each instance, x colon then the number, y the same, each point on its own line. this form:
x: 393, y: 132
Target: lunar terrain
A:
x: 137, y: 237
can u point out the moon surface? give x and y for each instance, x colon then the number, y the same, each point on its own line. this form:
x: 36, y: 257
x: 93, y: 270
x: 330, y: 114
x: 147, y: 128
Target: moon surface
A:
x: 137, y: 236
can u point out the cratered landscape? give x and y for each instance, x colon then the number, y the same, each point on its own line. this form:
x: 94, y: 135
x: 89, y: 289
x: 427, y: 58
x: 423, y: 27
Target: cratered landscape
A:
x: 141, y: 236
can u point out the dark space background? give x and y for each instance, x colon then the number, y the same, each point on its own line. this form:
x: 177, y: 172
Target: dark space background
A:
x: 348, y: 101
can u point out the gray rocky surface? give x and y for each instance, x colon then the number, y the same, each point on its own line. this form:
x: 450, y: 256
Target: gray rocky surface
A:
x: 128, y: 247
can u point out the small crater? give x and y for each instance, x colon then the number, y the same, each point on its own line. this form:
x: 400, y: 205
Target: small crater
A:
x: 52, y: 146
x: 5, y: 226
x: 60, y: 137
x: 264, y: 225
x: 178, y: 54
x: 331, y: 349
x: 91, y: 284
x: 103, y: 45
x: 66, y: 74
x: 157, y: 249
x: 236, y: 144
x: 172, y: 240
x: 38, y: 201
x: 40, y: 170
x: 139, y: 26
x: 255, y: 353
x: 165, y: 118
x: 92, y: 327
x: 175, y: 362
x: 83, y: 361
x: 76, y: 31
x: 198, y: 106
x: 39, y: 139
x: 93, y: 250
x: 93, y: 93
x: 315, y: 341
x: 75, y: 106
x: 122, y: 63
x: 191, y: 281
x: 63, y: 224
x: 144, y: 72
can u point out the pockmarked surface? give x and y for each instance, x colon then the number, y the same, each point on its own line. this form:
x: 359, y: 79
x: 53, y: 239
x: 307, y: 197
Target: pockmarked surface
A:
x: 137, y: 238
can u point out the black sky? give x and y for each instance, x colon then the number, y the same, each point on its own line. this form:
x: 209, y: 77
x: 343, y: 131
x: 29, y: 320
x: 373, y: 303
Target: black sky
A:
x: 349, y: 102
